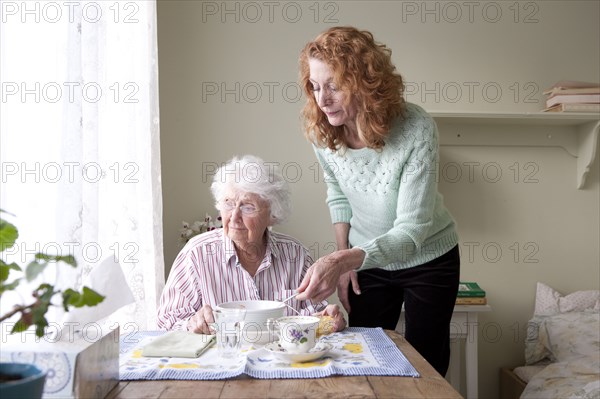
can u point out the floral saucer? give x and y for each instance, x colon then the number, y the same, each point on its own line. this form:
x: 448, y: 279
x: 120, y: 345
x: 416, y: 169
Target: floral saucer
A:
x: 319, y: 350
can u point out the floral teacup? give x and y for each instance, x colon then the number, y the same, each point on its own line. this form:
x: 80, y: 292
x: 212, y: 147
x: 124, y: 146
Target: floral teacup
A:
x: 297, y: 334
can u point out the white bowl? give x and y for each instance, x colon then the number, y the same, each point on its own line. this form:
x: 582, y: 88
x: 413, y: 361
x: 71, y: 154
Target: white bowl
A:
x: 257, y: 312
x: 255, y: 307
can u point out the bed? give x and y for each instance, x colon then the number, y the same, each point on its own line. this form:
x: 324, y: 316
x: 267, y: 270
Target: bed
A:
x: 562, y: 349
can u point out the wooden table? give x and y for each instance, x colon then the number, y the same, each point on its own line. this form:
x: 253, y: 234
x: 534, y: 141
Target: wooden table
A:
x: 429, y: 385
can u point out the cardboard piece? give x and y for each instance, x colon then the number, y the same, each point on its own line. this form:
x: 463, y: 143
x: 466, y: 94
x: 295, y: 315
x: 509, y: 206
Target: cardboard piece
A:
x: 83, y: 365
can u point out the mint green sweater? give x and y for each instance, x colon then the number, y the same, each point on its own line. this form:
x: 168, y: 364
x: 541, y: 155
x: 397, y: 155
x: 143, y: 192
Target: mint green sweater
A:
x: 390, y: 197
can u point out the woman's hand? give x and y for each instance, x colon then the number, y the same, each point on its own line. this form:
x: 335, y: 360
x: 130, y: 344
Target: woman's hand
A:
x: 321, y: 280
x: 345, y: 280
x: 201, y: 321
x: 333, y: 311
x: 323, y: 276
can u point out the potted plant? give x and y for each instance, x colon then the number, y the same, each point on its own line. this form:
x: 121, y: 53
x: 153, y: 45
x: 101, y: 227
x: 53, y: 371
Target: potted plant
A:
x: 22, y: 380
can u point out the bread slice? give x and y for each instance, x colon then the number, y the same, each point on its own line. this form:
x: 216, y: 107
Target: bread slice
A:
x: 326, y: 326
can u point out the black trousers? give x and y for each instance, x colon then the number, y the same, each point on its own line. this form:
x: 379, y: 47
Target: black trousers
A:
x: 428, y: 293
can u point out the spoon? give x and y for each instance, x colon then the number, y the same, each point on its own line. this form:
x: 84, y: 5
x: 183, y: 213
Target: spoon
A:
x: 290, y: 297
x: 287, y: 299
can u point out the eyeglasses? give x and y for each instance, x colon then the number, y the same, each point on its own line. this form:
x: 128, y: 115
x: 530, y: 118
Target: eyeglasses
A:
x: 246, y: 209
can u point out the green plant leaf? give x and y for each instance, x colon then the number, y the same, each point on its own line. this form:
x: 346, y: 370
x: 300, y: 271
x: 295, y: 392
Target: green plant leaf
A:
x: 20, y: 326
x: 8, y: 235
x: 69, y: 296
x: 34, y: 268
x: 40, y: 329
x: 91, y: 297
x: 38, y: 313
x: 87, y: 297
x: 37, y: 266
x: 39, y: 317
x: 68, y: 259
x: 45, y: 292
x: 40, y: 308
x: 6, y: 268
x: 12, y: 266
x: 10, y: 286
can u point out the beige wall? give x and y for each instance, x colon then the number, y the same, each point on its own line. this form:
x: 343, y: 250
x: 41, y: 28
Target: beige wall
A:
x: 227, y: 86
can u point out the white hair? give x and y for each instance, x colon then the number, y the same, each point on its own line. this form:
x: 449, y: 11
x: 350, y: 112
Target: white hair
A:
x: 250, y: 174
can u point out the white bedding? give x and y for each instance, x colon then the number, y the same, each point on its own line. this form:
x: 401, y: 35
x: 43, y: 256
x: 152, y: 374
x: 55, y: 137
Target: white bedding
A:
x: 526, y: 373
x: 578, y: 378
x: 571, y: 341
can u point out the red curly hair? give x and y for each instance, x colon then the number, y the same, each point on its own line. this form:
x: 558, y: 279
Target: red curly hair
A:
x: 362, y: 68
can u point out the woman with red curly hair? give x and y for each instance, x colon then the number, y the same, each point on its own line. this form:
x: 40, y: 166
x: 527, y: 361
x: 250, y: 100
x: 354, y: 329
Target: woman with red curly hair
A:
x: 397, y: 243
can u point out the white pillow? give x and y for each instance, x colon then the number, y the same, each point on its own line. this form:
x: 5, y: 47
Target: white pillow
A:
x: 563, y: 336
x: 549, y: 301
x: 572, y: 335
x: 536, y: 341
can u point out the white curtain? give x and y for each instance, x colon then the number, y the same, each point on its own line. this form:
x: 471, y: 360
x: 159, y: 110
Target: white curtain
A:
x: 80, y: 148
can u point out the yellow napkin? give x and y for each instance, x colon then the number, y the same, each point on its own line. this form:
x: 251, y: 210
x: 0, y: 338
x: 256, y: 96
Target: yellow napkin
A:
x: 178, y: 344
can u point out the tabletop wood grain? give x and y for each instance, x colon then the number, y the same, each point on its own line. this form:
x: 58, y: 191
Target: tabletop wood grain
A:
x: 429, y: 385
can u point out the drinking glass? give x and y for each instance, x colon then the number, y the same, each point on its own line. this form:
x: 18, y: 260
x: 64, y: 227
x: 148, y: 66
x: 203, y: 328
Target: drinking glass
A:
x: 228, y: 329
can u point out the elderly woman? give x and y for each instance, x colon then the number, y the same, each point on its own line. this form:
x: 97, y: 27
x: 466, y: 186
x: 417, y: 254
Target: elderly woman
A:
x: 243, y: 261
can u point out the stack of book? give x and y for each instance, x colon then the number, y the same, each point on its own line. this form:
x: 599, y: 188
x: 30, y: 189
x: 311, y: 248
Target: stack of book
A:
x: 470, y: 293
x: 572, y: 96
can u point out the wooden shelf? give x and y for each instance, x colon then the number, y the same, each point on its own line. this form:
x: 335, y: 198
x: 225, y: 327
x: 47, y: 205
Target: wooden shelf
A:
x: 575, y: 133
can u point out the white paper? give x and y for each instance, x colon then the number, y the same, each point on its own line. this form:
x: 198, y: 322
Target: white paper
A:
x: 107, y: 279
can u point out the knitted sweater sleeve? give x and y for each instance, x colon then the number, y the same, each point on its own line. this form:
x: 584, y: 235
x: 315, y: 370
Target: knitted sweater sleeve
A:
x: 416, y: 204
x: 339, y: 207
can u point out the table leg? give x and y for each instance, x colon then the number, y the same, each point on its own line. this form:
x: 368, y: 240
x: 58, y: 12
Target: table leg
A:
x: 454, y: 372
x: 471, y: 356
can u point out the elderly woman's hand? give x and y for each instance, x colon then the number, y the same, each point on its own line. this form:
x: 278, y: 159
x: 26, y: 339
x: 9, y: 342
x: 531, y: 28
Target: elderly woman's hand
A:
x: 201, y: 321
x: 333, y: 311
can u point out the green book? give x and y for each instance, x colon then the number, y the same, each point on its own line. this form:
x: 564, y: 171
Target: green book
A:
x: 469, y: 289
